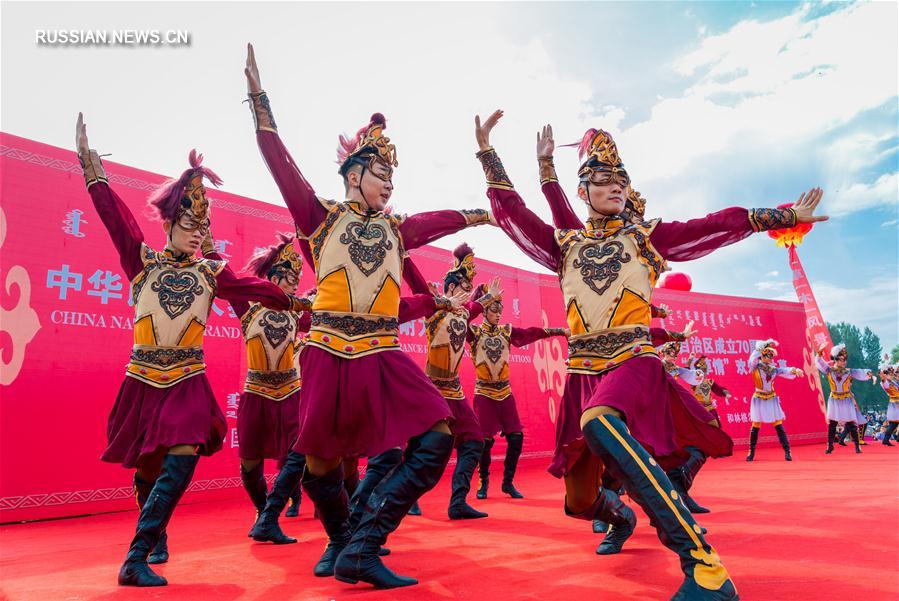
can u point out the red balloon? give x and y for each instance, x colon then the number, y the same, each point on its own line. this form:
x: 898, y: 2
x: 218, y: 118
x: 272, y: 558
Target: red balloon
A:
x: 674, y: 280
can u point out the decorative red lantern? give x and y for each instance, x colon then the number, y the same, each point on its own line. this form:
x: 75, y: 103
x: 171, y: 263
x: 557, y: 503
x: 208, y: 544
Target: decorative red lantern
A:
x: 790, y: 236
x: 674, y: 280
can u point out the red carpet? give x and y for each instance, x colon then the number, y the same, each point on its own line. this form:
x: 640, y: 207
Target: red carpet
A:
x: 818, y: 528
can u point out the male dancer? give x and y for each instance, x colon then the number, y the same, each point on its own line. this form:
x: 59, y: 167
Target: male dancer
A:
x: 668, y: 343
x: 165, y: 414
x: 841, y: 406
x: 363, y: 395
x: 607, y: 270
x: 765, y: 405
x: 490, y: 344
x: 446, y: 332
x: 268, y: 413
x: 705, y: 389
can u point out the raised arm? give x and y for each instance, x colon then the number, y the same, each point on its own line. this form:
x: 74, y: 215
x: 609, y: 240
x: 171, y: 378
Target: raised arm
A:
x: 754, y: 359
x: 126, y: 234
x: 691, y: 377
x: 861, y: 374
x: 685, y: 241
x: 534, y: 237
x: 660, y: 336
x: 564, y: 216
x: 298, y: 194
x: 821, y: 364
x: 789, y: 372
x: 423, y: 228
x: 525, y: 336
x: 236, y: 289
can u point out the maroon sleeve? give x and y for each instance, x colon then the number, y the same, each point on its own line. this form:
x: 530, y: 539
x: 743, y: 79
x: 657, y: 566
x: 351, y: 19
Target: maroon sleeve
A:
x: 126, y: 234
x: 659, y: 336
x: 423, y: 228
x: 718, y: 389
x: 523, y: 336
x: 305, y: 322
x: 417, y: 282
x: 688, y: 240
x: 307, y: 211
x: 564, y: 216
x: 534, y: 237
x: 415, y: 306
x: 236, y: 289
x: 240, y: 306
x: 475, y: 310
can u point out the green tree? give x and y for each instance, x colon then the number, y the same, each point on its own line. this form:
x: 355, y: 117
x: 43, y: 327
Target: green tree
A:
x: 865, y: 352
x: 894, y: 354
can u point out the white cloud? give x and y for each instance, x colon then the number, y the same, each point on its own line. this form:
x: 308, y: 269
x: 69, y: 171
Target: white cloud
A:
x: 772, y: 286
x: 890, y: 223
x: 772, y: 274
x: 858, y: 197
x: 767, y: 93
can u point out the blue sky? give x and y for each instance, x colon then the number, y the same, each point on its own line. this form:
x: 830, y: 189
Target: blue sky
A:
x: 712, y: 105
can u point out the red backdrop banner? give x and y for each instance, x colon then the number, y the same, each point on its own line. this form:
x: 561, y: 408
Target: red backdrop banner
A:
x: 66, y: 333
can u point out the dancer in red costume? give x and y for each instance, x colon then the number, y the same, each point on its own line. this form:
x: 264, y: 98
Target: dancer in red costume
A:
x: 564, y: 217
x: 165, y: 414
x: 362, y: 394
x: 446, y: 332
x: 607, y: 270
x: 490, y: 344
x: 268, y: 413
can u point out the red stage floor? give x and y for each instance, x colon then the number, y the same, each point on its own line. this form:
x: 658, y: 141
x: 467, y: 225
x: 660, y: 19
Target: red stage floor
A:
x: 818, y: 528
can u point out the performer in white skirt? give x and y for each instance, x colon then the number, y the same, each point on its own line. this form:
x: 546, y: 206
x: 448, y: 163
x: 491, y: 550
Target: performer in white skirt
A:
x: 765, y: 407
x: 841, y: 406
x: 890, y: 385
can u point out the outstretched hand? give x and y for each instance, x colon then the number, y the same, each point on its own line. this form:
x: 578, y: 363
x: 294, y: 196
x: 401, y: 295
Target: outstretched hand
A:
x: 254, y: 84
x: 493, y: 288
x: 482, y: 132
x: 81, y: 144
x: 545, y: 142
x: 689, y: 332
x: 806, y: 205
x: 459, y: 298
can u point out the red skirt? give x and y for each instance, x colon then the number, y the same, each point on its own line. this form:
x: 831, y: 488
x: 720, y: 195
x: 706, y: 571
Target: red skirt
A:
x: 497, y: 416
x: 145, y: 419
x: 362, y: 407
x: 465, y: 424
x: 661, y: 415
x: 267, y: 429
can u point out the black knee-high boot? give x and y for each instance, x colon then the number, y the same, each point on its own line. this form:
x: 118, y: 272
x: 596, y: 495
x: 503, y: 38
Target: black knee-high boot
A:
x: 647, y: 484
x: 410, y: 448
x: 853, y: 431
x: 266, y: 528
x: 484, y: 468
x: 831, y: 434
x: 331, y: 502
x: 255, y: 485
x: 844, y: 435
x: 784, y: 441
x: 177, y: 470
x: 683, y: 476
x: 377, y: 469
x: 753, y: 440
x: 160, y: 553
x: 609, y: 509
x: 467, y: 456
x: 889, y: 433
x: 386, y: 507
x: 515, y: 442
x: 293, y: 505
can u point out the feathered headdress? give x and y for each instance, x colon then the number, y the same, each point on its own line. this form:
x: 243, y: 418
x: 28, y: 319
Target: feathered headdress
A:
x: 185, y: 194
x: 839, y: 351
x: 670, y: 347
x: 700, y: 362
x: 768, y: 348
x: 277, y: 260
x: 368, y: 145
x: 463, y: 264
